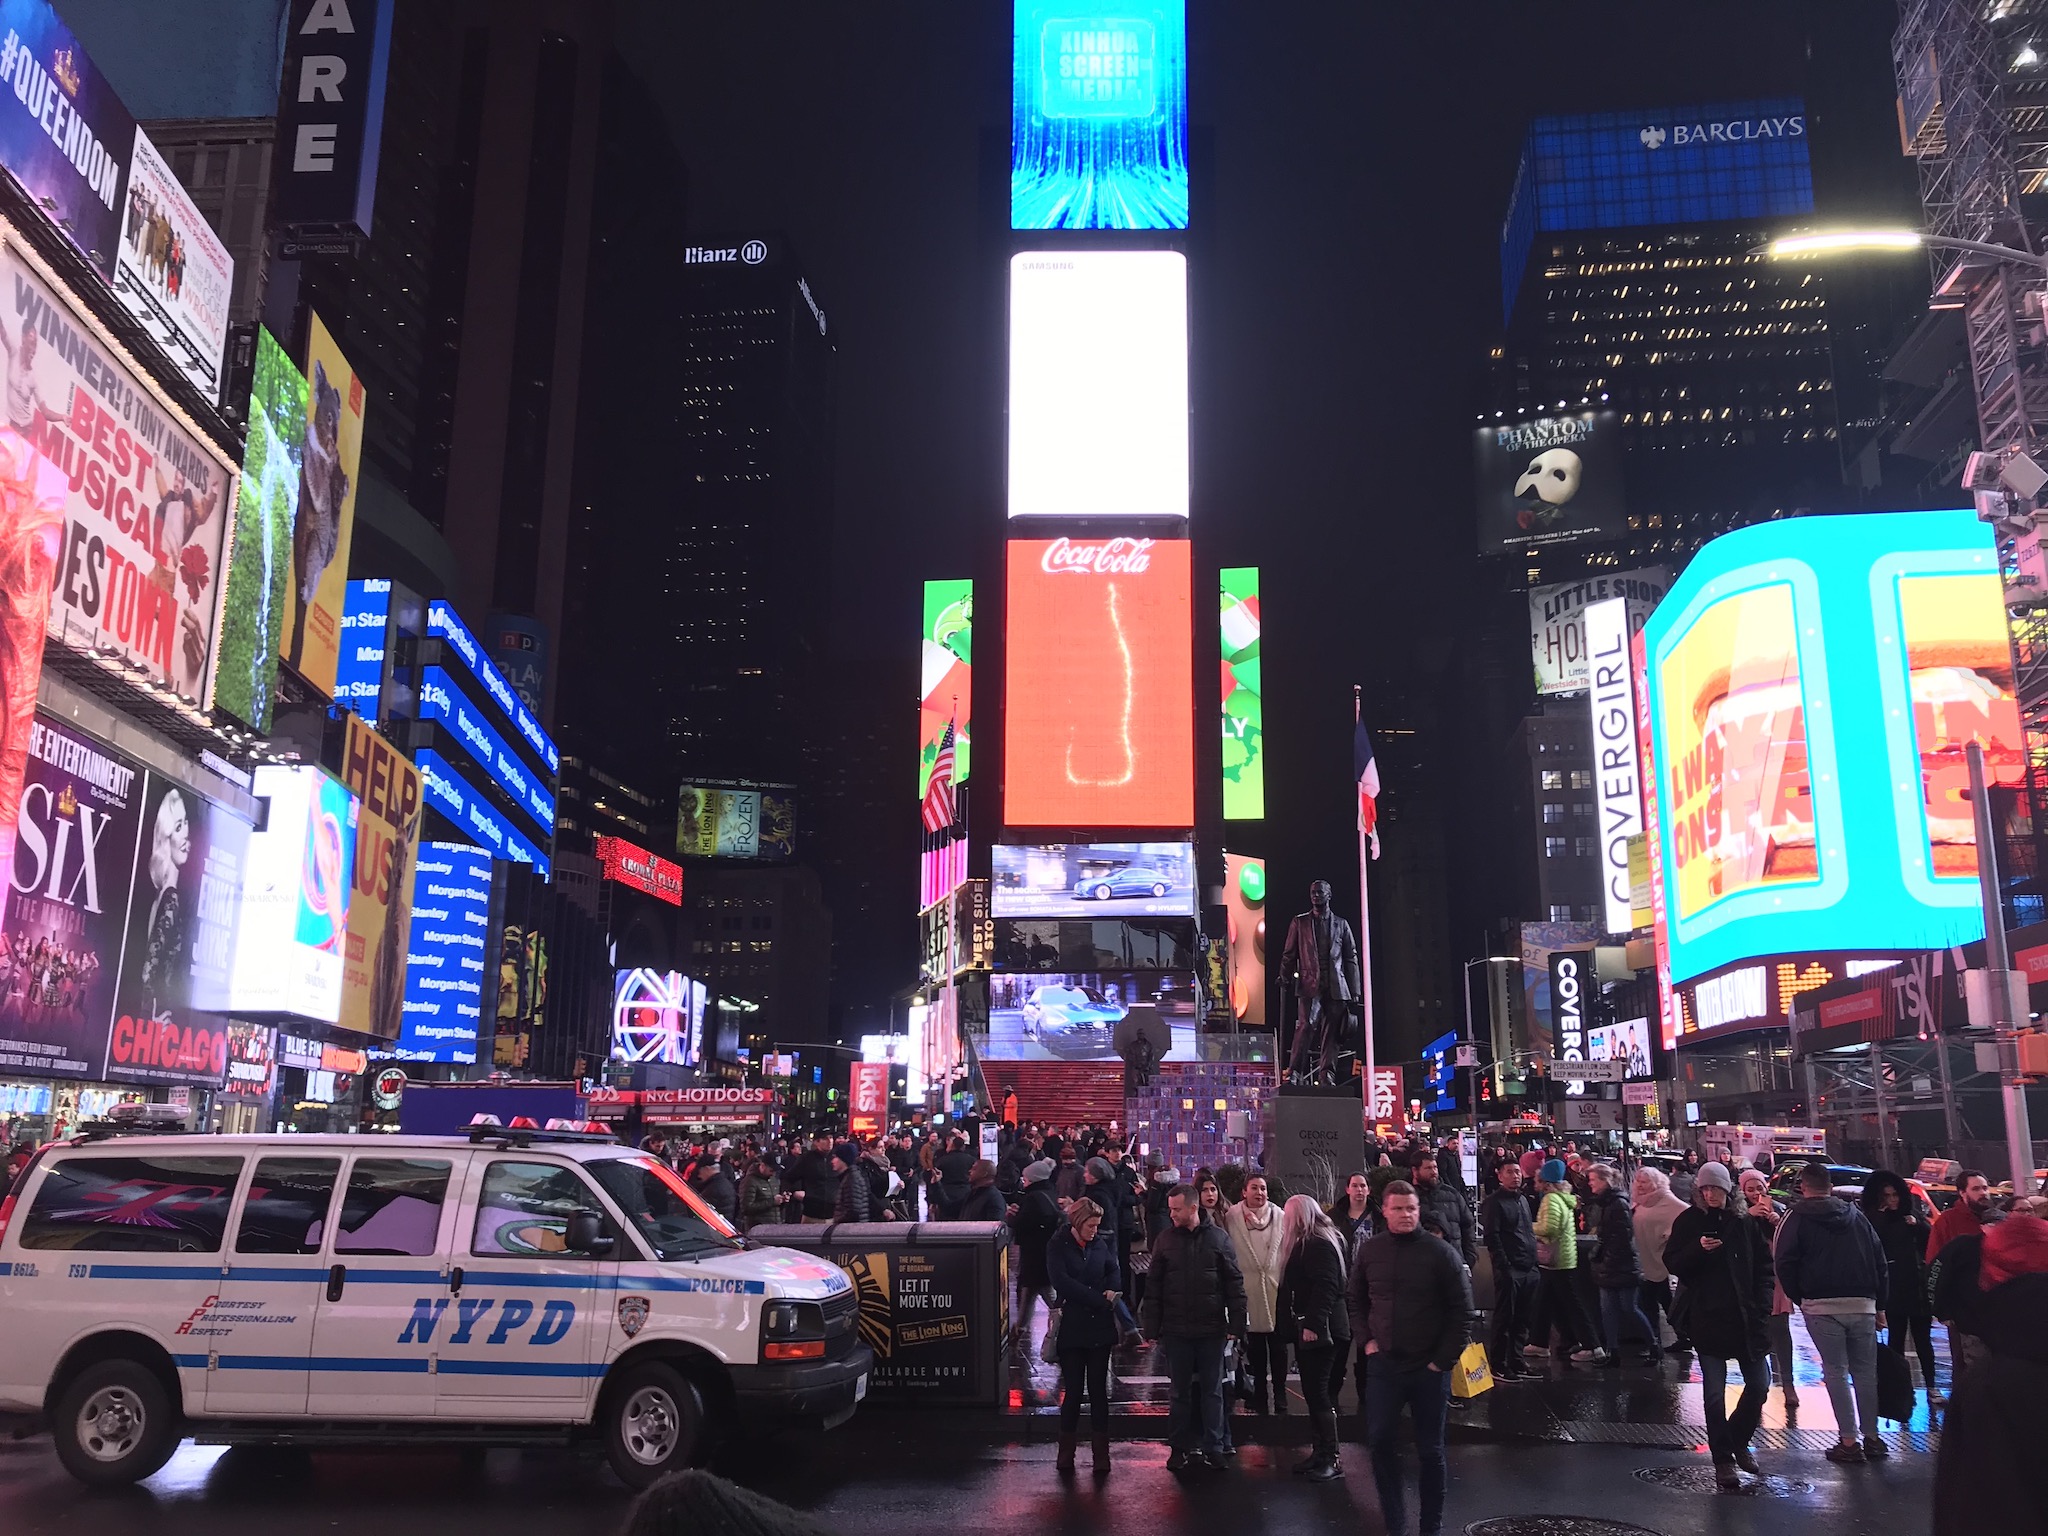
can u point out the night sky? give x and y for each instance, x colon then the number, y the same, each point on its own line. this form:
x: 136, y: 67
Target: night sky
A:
x: 1345, y: 277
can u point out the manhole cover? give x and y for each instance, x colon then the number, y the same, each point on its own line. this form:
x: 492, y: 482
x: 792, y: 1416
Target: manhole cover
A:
x: 1554, y: 1525
x: 1701, y: 1480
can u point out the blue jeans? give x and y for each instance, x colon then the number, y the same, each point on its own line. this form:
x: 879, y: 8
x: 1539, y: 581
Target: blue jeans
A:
x: 1618, y: 1305
x: 1195, y: 1365
x: 1848, y: 1352
x: 1427, y: 1395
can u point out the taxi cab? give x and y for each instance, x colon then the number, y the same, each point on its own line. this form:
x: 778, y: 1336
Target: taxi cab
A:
x: 505, y: 1287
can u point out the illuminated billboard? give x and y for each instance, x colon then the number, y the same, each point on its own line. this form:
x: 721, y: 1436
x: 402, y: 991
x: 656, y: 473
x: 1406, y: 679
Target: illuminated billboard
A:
x: 472, y: 810
x: 1090, y: 1016
x: 64, y: 132
x: 631, y: 865
x: 329, y: 472
x: 1625, y: 1040
x: 387, y: 785
x: 445, y: 624
x: 1244, y: 909
x: 445, y: 961
x: 1244, y: 717
x: 657, y: 1016
x: 1099, y: 384
x: 1811, y: 687
x: 297, y: 877
x: 947, y: 666
x: 1094, y: 880
x: 172, y: 271
x: 735, y: 821
x: 1099, y: 115
x: 1683, y: 165
x: 1557, y: 622
x: 1617, y: 773
x: 260, y: 558
x: 1099, y: 684
x: 442, y: 698
x: 365, y: 642
x: 1549, y: 480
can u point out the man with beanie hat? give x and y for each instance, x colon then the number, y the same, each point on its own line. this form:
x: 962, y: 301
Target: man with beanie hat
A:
x: 856, y: 1201
x: 1722, y: 1258
x: 1098, y: 1183
x: 1034, y: 1218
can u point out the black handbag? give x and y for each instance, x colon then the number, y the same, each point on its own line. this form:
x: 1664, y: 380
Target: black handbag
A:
x: 1894, y: 1386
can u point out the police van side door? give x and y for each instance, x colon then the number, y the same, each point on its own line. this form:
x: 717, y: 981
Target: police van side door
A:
x: 384, y: 1302
x: 271, y: 1286
x: 527, y: 1322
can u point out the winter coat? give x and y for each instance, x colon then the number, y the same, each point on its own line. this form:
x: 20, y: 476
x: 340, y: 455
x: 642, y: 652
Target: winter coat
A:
x: 1903, y: 1237
x: 1410, y: 1296
x: 856, y: 1198
x: 1615, y: 1265
x: 1557, y: 1225
x: 1510, y: 1238
x: 954, y: 1169
x: 813, y: 1175
x: 1126, y: 1204
x: 1038, y: 1216
x: 1105, y: 1198
x: 984, y: 1204
x: 1827, y: 1251
x: 1067, y: 1183
x: 1445, y: 1213
x: 1653, y: 1221
x: 1194, y: 1289
x: 1260, y: 1261
x: 1312, y: 1295
x: 1997, y: 1417
x: 1724, y: 1296
x: 1957, y: 1221
x: 1340, y: 1218
x: 718, y: 1193
x: 1079, y: 1276
x: 758, y: 1199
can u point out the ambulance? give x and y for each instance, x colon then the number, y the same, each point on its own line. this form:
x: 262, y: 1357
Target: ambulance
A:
x: 504, y: 1287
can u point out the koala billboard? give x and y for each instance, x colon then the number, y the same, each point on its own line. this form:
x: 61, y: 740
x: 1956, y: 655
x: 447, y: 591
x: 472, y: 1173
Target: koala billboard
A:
x: 1549, y: 480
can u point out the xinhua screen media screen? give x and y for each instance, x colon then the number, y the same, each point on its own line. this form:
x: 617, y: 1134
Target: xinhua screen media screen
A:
x: 1099, y: 116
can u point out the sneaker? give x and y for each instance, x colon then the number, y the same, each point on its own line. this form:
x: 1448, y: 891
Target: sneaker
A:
x: 1324, y: 1471
x: 1589, y: 1354
x: 1875, y: 1449
x: 1746, y: 1459
x: 1850, y: 1455
x: 1726, y: 1475
x: 1536, y: 1351
x: 1180, y: 1461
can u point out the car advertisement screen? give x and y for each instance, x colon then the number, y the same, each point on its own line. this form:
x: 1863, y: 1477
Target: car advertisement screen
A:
x: 1099, y: 676
x: 1099, y: 116
x: 1099, y: 384
x: 947, y: 666
x: 1094, y: 880
x: 1244, y: 716
x: 1549, y: 480
x: 1812, y: 687
x: 1091, y: 1016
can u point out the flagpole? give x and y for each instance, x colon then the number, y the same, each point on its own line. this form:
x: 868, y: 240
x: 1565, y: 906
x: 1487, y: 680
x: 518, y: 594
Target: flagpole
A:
x: 1364, y: 935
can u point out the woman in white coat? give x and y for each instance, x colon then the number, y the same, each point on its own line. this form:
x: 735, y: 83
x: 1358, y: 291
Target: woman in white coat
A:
x: 1254, y: 1225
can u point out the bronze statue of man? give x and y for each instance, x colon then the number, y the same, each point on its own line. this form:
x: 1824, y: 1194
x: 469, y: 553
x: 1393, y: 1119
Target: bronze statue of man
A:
x: 1321, y: 963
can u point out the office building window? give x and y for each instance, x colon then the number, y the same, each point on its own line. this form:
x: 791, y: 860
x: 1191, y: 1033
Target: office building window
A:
x: 1553, y: 847
x: 1582, y: 778
x: 1552, y: 813
x: 1586, y: 847
x: 1553, y: 778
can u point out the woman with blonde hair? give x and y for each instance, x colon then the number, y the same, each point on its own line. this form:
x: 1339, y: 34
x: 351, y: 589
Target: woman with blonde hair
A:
x: 1312, y: 1313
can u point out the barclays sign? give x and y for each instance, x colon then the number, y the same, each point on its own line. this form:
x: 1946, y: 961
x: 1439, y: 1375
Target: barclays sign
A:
x: 1740, y: 130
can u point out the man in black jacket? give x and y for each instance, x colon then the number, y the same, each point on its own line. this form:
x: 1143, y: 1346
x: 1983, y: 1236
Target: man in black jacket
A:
x: 1444, y: 1211
x: 1511, y: 1244
x: 1124, y: 1190
x: 813, y: 1175
x: 1722, y: 1258
x: 954, y: 1166
x: 855, y: 1200
x: 714, y: 1186
x: 1194, y: 1300
x: 1410, y: 1301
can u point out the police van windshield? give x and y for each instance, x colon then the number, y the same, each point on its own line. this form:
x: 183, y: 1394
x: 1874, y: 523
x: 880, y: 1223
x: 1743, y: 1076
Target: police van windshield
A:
x: 665, y: 1211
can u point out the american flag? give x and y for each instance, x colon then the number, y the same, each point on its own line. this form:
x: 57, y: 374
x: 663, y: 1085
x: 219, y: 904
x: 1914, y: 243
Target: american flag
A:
x: 938, y: 796
x: 1368, y: 775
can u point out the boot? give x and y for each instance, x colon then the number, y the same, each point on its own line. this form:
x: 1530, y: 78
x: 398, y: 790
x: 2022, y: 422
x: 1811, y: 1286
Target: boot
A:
x: 1065, y: 1464
x: 1102, y: 1453
x: 1327, y: 1467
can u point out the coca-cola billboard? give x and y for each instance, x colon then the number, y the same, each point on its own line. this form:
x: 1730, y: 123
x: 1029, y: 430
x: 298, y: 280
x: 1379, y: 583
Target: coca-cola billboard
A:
x: 1099, y: 684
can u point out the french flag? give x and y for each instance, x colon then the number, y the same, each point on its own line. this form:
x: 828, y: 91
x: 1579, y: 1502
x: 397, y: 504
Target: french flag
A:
x: 1367, y: 773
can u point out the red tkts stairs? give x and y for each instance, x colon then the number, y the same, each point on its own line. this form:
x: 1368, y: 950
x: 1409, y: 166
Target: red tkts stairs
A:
x: 1061, y: 1093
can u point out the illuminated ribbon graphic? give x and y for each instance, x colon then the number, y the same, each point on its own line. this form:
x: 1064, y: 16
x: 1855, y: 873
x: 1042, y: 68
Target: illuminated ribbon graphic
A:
x: 1123, y: 646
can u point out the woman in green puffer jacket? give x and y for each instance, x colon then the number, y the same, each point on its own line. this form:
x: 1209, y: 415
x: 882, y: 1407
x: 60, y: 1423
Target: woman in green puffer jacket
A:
x: 1557, y: 1255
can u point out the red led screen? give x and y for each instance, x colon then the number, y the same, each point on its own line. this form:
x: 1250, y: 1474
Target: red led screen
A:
x: 1099, y: 684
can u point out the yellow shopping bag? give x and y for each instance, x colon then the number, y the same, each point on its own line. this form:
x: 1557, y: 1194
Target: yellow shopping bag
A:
x: 1471, y: 1375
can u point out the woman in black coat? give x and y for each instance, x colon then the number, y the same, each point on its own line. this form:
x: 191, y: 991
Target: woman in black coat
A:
x: 1997, y: 1419
x: 1722, y: 1258
x: 1311, y: 1311
x: 1900, y: 1228
x: 1085, y: 1277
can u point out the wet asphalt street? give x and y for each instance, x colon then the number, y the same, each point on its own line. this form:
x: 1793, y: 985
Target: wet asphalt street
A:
x: 895, y: 1477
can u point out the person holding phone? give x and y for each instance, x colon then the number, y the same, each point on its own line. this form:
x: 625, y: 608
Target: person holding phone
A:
x: 1722, y: 1258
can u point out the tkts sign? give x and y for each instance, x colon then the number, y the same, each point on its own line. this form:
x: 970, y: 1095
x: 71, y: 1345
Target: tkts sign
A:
x: 870, y: 1091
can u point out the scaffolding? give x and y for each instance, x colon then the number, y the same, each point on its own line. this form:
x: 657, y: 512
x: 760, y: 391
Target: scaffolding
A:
x: 1973, y: 113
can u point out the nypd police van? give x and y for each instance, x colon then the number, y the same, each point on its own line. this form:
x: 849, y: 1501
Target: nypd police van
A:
x: 500, y: 1288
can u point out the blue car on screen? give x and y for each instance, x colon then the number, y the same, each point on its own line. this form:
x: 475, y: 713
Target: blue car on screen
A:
x: 1134, y: 881
x: 1071, y: 1020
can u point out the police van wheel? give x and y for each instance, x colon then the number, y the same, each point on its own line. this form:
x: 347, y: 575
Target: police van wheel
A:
x: 114, y: 1424
x: 654, y: 1424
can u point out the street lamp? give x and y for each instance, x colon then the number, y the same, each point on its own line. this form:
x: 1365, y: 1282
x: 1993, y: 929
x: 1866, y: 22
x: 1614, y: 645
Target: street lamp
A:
x: 1472, y: 1069
x: 1829, y: 242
